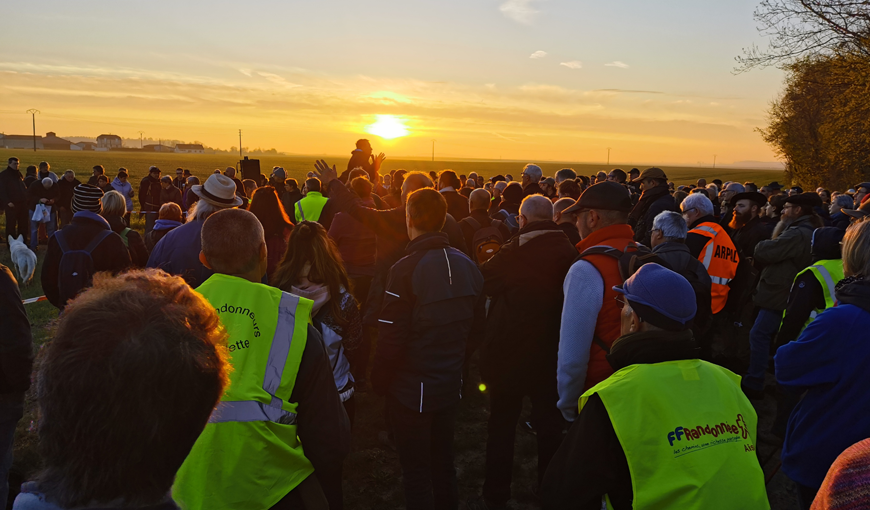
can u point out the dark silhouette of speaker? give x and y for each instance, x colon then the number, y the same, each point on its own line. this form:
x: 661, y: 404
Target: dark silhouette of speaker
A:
x: 250, y: 169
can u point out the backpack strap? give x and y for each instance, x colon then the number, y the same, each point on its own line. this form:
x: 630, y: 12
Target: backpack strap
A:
x: 97, y: 240
x: 472, y: 222
x: 600, y: 343
x: 301, y: 212
x: 61, y: 242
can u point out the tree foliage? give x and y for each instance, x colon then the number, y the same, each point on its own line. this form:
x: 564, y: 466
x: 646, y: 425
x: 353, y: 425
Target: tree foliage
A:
x: 820, y: 124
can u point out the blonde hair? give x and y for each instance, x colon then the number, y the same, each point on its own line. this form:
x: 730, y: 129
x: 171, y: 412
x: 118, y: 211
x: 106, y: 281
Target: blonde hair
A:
x: 856, y: 249
x: 114, y: 204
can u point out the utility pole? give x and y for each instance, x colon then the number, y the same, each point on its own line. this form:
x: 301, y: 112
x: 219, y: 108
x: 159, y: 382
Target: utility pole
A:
x: 714, y: 160
x: 33, y: 112
x: 240, y: 144
x: 140, y: 138
x: 433, y: 150
x: 608, y: 156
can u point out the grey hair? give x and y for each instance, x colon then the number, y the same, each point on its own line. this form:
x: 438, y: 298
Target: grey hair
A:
x: 534, y: 171
x: 201, y: 210
x: 844, y: 202
x: 714, y: 188
x: 69, y: 172
x: 698, y: 201
x: 537, y: 208
x: 671, y: 224
x: 565, y: 174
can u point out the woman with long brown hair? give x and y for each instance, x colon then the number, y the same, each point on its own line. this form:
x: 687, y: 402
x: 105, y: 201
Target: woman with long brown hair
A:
x: 312, y: 268
x: 266, y: 206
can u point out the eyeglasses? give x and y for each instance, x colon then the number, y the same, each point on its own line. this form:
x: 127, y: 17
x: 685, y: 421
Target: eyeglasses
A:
x: 621, y: 301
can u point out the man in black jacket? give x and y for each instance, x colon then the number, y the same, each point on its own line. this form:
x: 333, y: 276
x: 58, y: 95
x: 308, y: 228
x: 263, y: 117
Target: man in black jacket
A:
x: 16, y: 360
x: 531, y: 180
x: 448, y: 185
x: 567, y: 222
x: 363, y: 157
x: 13, y: 197
x: 434, y: 303
x: 149, y: 197
x: 520, y: 348
x: 656, y: 198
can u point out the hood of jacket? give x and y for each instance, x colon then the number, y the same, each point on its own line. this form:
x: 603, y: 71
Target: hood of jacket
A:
x: 671, y: 247
x: 166, y: 224
x: 854, y: 290
x: 649, y: 347
x: 537, y: 229
x: 826, y: 243
x: 118, y: 184
x: 429, y: 241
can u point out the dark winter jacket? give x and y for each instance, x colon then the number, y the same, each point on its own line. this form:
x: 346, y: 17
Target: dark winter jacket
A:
x: 532, y: 189
x: 781, y: 259
x: 110, y: 255
x: 135, y: 243
x: 841, y: 220
x: 591, y: 461
x: 652, y: 202
x: 677, y: 257
x: 457, y: 205
x: 829, y: 362
x: 16, y: 347
x: 178, y: 253
x: 161, y: 228
x: 65, y: 193
x: 36, y: 192
x: 149, y: 194
x: 358, y: 159
x: 356, y: 242
x: 747, y: 237
x: 571, y: 231
x: 434, y: 303
x: 12, y: 188
x: 524, y: 280
x: 170, y: 194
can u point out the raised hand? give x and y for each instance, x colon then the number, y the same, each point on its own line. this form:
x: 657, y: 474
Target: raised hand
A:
x: 325, y: 173
x: 379, y: 160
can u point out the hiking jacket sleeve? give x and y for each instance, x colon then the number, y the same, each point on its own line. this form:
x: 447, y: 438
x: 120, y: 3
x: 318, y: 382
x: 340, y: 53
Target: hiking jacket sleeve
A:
x: 786, y: 246
x: 589, y: 464
x: 805, y: 296
x: 16, y: 347
x: 584, y: 293
x: 346, y: 201
x: 394, y: 325
x: 322, y: 424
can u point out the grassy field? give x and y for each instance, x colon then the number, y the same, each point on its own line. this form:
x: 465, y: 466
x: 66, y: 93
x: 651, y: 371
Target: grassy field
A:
x: 372, y: 476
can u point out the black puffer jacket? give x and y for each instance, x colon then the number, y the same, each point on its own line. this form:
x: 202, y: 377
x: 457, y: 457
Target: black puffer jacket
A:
x: 12, y: 188
x: 653, y: 202
x: 434, y: 302
x: 525, y: 280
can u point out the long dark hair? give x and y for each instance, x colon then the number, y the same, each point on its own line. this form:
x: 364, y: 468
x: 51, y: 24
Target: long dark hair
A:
x: 268, y: 209
x: 309, y: 244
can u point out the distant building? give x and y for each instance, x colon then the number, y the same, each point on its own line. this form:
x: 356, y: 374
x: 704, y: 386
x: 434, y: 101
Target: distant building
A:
x: 190, y: 148
x: 106, y: 142
x: 20, y: 142
x: 155, y: 147
x: 51, y: 142
x: 83, y: 146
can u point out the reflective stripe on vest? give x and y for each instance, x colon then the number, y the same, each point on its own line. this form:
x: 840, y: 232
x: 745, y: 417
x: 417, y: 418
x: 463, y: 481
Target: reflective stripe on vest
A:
x: 688, y: 433
x: 720, y: 258
x: 828, y: 273
x: 310, y: 207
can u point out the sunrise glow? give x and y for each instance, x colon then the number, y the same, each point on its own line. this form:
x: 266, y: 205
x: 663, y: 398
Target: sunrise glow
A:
x: 388, y: 127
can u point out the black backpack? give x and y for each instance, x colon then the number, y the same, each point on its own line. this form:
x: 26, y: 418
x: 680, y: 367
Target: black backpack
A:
x: 486, y: 241
x: 76, y: 269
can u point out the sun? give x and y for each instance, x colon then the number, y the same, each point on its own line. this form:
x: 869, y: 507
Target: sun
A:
x: 388, y: 127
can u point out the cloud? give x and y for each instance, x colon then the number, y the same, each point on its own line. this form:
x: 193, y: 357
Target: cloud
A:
x: 246, y: 72
x: 574, y: 64
x: 617, y: 63
x: 278, y: 80
x: 520, y: 11
x: 538, y: 54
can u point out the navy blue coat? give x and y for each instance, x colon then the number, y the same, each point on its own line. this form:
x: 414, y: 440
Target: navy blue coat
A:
x: 178, y: 253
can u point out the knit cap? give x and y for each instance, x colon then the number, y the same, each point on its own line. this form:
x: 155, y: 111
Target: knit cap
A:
x: 661, y: 297
x: 87, y: 198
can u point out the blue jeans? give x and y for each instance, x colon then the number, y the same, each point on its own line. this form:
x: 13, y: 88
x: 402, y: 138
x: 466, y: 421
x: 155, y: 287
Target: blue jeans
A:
x: 50, y: 228
x: 760, y: 337
x: 10, y: 413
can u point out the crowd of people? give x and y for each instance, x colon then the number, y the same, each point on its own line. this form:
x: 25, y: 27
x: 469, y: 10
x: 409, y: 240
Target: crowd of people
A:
x: 211, y: 361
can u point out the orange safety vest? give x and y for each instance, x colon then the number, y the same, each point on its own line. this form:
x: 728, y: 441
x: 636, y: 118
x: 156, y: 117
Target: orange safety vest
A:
x: 720, y: 258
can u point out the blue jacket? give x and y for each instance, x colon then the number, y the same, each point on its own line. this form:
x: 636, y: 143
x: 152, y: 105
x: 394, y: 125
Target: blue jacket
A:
x: 829, y: 361
x: 31, y: 499
x: 433, y: 303
x: 126, y: 189
x: 178, y: 253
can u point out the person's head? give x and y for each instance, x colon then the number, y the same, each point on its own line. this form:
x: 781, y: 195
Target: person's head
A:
x: 602, y: 205
x: 87, y: 198
x: 652, y: 177
x: 291, y: 184
x: 548, y: 186
x: 766, y: 191
x: 747, y: 205
x: 800, y: 205
x: 827, y: 243
x: 230, y: 172
x: 713, y: 191
x: 185, y: 173
x: 509, y: 177
x: 357, y: 172
x: 513, y: 193
x: 825, y: 195
x: 169, y: 211
x: 668, y: 226
x: 600, y: 177
x: 266, y: 206
x: 535, y: 208
x: 633, y: 174
x: 69, y: 175
x: 312, y: 184
x: 559, y: 216
x: 250, y: 186
x: 425, y: 212
x: 218, y: 192
x: 565, y: 174
x: 730, y: 191
x: 179, y: 172
x: 841, y: 202
x: 679, y: 196
x: 192, y: 180
x: 233, y: 243
x: 695, y: 207
x: 122, y: 175
x: 387, y: 180
x: 398, y: 181
x: 702, y: 182
x: 102, y: 181
x: 656, y: 298
x: 498, y: 189
x: 412, y: 182
x: 448, y: 178
x: 166, y: 182
x: 154, y: 172
x: 862, y: 190
x: 13, y: 163
x: 111, y: 379
x: 531, y: 174
x: 569, y: 189
x: 364, y: 145
x: 479, y: 200
x: 617, y: 175
x: 114, y: 205
x: 98, y: 170
x: 362, y: 186
x: 795, y: 190
x: 750, y: 186
x: 856, y: 249
x: 30, y: 170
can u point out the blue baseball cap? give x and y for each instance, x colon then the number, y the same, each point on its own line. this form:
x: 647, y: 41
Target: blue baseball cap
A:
x: 661, y: 297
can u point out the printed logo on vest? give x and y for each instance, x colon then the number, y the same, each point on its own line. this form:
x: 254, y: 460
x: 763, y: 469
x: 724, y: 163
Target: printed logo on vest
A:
x: 721, y: 433
x: 229, y: 309
x: 724, y: 252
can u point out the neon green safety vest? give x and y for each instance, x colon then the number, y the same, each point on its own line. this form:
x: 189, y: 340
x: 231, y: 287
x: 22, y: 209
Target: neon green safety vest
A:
x: 688, y: 433
x: 249, y: 455
x: 828, y: 273
x: 309, y: 207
